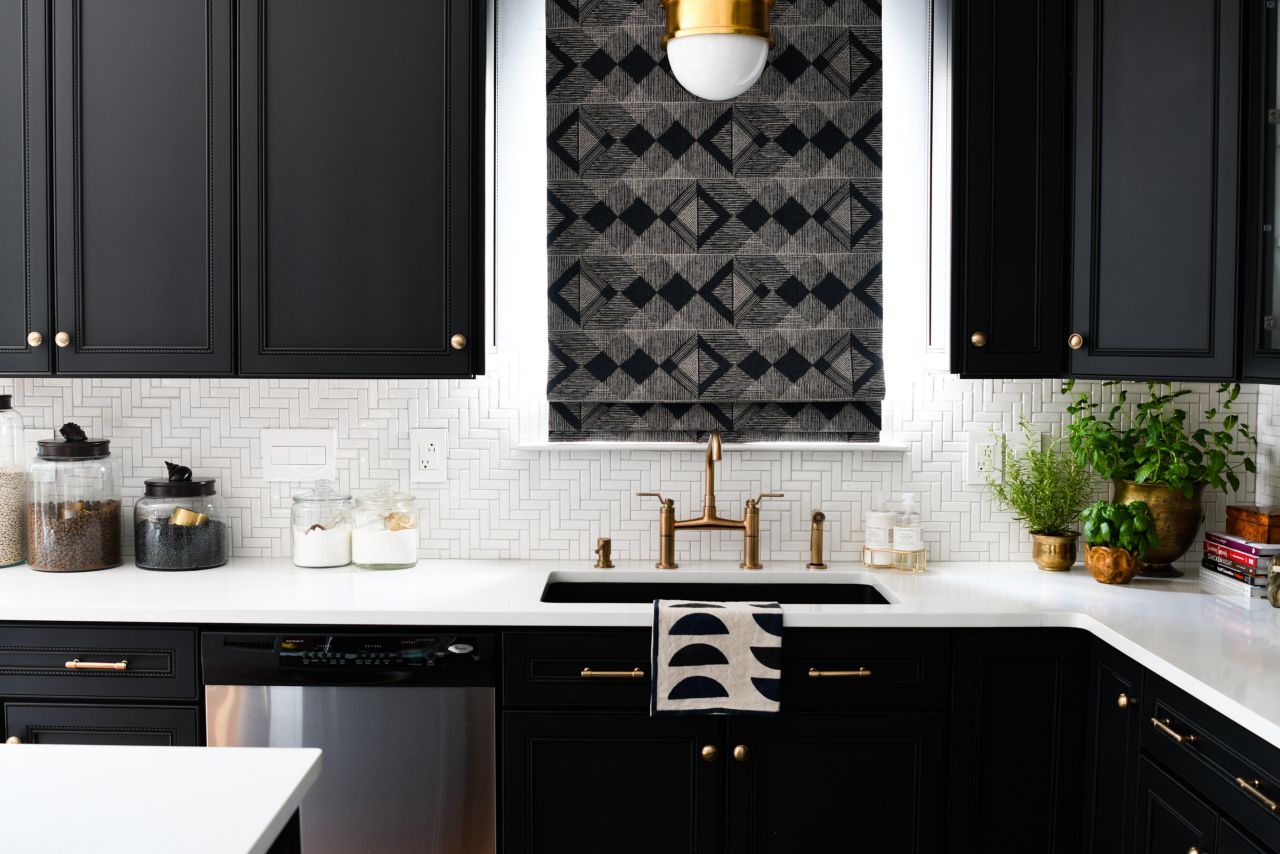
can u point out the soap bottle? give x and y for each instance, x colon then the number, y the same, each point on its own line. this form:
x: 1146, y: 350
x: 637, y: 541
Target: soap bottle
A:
x: 908, y: 535
x: 878, y: 524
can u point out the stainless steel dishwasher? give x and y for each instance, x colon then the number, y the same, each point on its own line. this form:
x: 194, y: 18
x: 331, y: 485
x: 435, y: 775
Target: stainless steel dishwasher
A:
x: 406, y: 723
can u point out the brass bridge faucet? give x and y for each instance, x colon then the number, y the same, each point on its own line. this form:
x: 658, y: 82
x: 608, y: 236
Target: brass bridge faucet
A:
x: 710, y: 520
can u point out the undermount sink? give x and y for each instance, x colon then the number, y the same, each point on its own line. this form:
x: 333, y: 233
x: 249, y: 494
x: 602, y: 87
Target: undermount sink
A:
x: 787, y: 588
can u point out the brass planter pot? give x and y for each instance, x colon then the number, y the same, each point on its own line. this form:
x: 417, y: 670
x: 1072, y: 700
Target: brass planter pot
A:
x: 1054, y: 552
x: 1111, y: 565
x: 1177, y: 521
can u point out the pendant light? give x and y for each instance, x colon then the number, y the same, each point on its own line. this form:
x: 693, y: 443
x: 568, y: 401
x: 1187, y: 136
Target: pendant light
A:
x: 717, y: 48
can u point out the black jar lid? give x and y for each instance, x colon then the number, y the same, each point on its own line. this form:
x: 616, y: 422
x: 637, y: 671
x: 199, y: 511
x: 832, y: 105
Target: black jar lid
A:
x: 73, y: 445
x: 6, y: 401
x: 180, y: 484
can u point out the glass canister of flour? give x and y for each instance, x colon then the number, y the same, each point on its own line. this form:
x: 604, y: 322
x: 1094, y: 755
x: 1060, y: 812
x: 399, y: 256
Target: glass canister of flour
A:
x: 321, y: 527
x: 385, y: 531
x: 13, y: 485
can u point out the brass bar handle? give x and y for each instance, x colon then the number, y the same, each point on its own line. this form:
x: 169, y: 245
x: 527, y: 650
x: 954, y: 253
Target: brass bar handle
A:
x: 815, y: 673
x: 765, y: 495
x: 1252, y: 788
x: 657, y: 495
x: 1164, y: 727
x: 77, y: 664
x: 588, y: 673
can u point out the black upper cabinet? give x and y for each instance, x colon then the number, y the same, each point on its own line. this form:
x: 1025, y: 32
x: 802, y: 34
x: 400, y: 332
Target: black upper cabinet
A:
x: 142, y: 180
x: 1009, y: 203
x: 359, y: 188
x: 24, y: 189
x: 1157, y: 188
x: 1260, y: 333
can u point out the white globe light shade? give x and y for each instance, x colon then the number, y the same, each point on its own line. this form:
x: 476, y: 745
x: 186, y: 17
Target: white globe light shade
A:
x: 717, y: 66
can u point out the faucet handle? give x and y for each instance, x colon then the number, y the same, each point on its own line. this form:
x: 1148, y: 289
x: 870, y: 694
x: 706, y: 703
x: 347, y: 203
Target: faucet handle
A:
x: 755, y: 502
x: 669, y: 502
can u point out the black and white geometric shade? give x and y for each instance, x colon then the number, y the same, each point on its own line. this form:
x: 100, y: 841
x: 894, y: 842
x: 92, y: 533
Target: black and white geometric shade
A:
x: 714, y: 265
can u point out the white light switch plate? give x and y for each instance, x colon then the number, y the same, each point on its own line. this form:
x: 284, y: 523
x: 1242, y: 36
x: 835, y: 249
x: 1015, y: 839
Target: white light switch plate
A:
x: 428, y: 451
x: 299, y: 455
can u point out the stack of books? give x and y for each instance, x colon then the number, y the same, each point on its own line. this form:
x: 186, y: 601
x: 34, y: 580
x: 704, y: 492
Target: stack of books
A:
x: 1236, y: 567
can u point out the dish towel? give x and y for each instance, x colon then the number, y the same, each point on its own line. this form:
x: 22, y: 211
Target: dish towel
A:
x: 720, y: 658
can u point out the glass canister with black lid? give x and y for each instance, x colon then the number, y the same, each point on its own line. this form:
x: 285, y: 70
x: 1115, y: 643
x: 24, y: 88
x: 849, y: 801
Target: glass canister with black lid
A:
x: 73, y: 506
x: 181, y: 523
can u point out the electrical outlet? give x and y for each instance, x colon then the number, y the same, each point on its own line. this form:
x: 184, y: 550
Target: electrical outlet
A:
x: 977, y: 458
x: 428, y: 450
x: 299, y: 455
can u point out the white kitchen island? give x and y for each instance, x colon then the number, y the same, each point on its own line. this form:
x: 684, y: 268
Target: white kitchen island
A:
x: 149, y: 800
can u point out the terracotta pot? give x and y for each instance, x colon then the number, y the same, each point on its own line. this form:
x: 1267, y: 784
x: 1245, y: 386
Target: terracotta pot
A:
x: 1177, y: 521
x: 1111, y: 565
x: 1054, y: 552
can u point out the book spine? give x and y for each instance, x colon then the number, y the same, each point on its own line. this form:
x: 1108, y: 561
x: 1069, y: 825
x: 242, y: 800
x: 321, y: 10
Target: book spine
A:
x: 1238, y: 545
x: 1216, y: 583
x: 1227, y: 570
x: 1252, y: 561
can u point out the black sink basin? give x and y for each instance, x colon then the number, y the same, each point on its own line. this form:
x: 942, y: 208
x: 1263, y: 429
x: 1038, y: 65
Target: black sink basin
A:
x: 787, y: 593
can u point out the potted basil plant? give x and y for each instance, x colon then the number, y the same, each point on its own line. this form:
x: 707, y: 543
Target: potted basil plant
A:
x: 1116, y: 538
x: 1045, y: 488
x: 1150, y: 454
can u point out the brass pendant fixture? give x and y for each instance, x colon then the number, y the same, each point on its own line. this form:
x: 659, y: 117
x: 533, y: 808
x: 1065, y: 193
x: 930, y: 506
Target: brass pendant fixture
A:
x: 717, y: 49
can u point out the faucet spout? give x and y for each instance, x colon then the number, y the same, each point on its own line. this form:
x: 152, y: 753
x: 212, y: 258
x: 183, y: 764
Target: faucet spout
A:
x: 714, y: 453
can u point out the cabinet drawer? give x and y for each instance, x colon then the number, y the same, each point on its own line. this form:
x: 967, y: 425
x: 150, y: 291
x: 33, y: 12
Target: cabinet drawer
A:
x: 51, y: 723
x: 1215, y: 756
x: 825, y: 669
x: 545, y: 669
x: 55, y: 661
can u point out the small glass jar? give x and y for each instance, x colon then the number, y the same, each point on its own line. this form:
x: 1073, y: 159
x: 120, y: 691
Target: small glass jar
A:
x: 13, y: 485
x: 73, y: 506
x: 1273, y: 587
x: 181, y: 523
x: 385, y: 531
x: 321, y: 527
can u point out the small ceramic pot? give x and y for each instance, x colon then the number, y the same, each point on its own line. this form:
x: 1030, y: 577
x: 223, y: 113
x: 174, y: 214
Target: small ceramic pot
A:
x: 1054, y: 552
x: 1110, y: 565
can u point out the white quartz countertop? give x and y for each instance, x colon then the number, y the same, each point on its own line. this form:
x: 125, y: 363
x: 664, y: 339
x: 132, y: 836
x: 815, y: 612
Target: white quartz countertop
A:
x: 131, y: 800
x: 1223, y: 653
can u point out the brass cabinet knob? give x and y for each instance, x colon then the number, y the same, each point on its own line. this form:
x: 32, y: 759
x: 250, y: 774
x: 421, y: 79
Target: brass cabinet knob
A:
x: 1193, y: 850
x: 1075, y: 340
x: 1124, y: 701
x: 13, y: 739
x: 62, y: 339
x: 710, y: 753
x: 34, y: 339
x: 458, y: 341
x: 741, y: 753
x: 978, y: 339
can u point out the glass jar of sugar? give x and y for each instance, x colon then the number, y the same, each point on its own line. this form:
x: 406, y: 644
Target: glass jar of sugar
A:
x: 321, y: 527
x: 385, y: 531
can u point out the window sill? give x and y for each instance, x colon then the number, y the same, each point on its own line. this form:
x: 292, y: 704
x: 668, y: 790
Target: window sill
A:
x: 738, y: 447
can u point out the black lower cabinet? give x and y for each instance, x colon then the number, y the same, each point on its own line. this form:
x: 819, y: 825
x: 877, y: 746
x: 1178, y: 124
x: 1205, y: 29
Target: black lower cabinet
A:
x: 622, y: 782
x: 1017, y: 740
x: 876, y: 782
x: 55, y: 723
x: 1170, y: 817
x: 1112, y: 718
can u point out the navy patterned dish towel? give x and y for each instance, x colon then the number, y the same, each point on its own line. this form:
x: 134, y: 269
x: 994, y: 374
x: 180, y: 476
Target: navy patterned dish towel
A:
x: 720, y: 658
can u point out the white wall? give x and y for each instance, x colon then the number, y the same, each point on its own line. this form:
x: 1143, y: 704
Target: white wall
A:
x: 502, y: 501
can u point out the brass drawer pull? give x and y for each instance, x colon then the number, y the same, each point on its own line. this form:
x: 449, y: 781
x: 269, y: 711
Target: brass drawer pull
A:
x: 77, y: 664
x: 815, y: 673
x: 1252, y: 788
x: 588, y: 673
x: 1164, y: 727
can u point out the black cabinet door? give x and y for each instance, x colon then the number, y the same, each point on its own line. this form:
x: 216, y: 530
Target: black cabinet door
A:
x: 622, y: 782
x: 142, y: 186
x: 1017, y: 740
x: 1113, y: 716
x: 1233, y: 841
x: 1260, y: 317
x: 1169, y: 817
x: 867, y: 782
x: 1156, y: 199
x: 359, y: 188
x: 1010, y: 217
x: 48, y: 723
x: 24, y: 187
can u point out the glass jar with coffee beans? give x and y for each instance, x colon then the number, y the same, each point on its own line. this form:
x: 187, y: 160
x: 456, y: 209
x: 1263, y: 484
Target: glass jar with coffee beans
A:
x: 73, y: 506
x: 13, y: 485
x: 181, y: 523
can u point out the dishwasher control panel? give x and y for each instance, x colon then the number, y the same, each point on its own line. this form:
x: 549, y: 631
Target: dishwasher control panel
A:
x: 370, y: 650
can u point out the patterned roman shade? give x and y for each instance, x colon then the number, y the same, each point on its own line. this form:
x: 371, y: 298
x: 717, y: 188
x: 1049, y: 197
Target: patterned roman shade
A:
x: 714, y: 265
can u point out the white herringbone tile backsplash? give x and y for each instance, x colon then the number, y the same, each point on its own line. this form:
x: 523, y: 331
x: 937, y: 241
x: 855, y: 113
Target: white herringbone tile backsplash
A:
x: 501, y: 501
